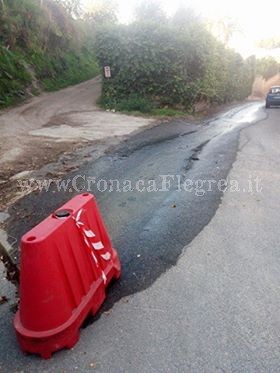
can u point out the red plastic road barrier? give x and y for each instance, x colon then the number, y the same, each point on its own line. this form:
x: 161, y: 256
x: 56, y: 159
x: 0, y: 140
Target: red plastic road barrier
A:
x: 67, y: 261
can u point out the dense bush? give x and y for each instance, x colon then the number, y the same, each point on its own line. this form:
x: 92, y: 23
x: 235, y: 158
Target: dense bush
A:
x: 170, y: 65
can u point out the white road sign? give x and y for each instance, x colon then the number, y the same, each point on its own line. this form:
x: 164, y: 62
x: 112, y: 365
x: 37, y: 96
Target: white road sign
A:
x: 107, y: 71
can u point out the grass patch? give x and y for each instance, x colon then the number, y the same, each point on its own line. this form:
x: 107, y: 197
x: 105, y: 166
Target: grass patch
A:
x: 138, y: 106
x: 130, y: 104
x: 135, y: 103
x: 13, y: 77
x: 168, y: 112
x: 59, y: 71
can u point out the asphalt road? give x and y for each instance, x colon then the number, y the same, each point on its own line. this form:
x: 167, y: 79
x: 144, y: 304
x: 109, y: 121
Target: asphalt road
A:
x: 147, y: 223
x: 200, y: 284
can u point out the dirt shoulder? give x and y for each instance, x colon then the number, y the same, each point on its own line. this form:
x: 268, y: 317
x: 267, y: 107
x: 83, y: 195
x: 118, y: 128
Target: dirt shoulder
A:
x: 54, y: 133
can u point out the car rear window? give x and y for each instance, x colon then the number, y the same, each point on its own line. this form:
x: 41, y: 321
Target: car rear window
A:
x: 275, y: 90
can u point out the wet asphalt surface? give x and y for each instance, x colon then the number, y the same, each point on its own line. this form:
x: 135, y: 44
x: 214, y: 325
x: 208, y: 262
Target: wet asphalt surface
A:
x: 153, y: 226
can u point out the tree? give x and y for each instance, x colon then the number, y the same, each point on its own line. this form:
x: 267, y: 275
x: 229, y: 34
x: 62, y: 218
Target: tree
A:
x: 267, y: 67
x: 101, y: 13
x: 184, y: 18
x: 2, y: 5
x: 73, y: 7
x: 224, y: 28
x: 149, y: 11
x: 272, y: 43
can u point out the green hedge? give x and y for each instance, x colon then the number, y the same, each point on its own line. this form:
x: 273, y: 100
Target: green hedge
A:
x: 170, y: 66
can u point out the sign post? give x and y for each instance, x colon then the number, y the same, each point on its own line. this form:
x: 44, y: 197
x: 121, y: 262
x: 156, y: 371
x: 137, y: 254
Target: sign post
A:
x: 107, y: 71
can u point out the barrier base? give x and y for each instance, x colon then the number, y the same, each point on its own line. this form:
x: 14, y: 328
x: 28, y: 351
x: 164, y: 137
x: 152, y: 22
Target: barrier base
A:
x: 68, y: 334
